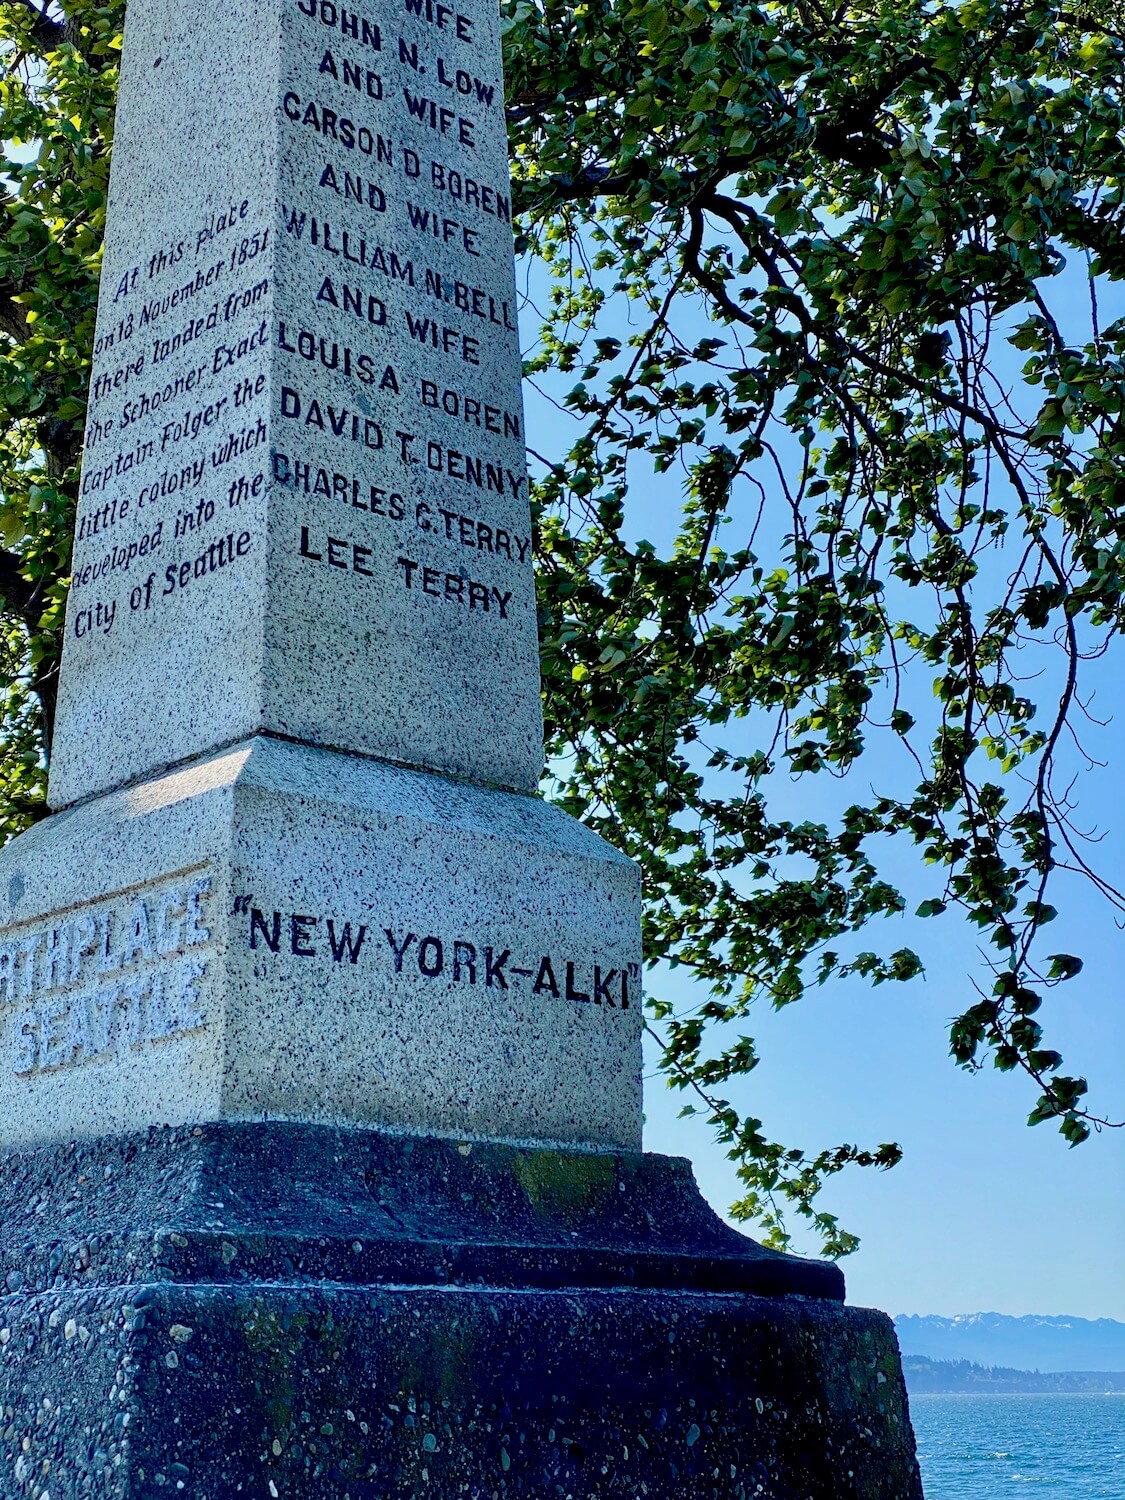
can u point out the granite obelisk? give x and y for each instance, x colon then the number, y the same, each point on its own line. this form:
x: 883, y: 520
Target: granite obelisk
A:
x: 319, y: 1030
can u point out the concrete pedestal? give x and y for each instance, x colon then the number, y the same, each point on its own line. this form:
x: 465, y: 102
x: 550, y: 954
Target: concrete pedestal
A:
x: 308, y: 1311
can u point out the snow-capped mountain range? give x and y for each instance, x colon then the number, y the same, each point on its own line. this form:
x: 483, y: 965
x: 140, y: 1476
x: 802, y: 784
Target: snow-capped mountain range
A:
x: 1031, y: 1343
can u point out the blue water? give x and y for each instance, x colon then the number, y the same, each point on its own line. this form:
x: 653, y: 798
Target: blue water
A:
x: 996, y: 1447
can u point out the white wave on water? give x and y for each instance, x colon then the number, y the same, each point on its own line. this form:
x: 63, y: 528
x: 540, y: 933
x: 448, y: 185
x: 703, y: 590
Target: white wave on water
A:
x: 991, y: 1447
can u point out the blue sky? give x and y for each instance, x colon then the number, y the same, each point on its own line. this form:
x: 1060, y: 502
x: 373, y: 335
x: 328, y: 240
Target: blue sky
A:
x: 983, y: 1214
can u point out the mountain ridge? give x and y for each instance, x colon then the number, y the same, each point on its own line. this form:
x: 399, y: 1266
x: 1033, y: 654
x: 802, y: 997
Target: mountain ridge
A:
x: 1044, y: 1343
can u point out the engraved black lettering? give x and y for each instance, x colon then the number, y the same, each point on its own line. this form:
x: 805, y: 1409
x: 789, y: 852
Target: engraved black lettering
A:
x: 494, y: 976
x: 352, y: 75
x: 603, y: 995
x: 349, y: 22
x: 398, y: 949
x: 335, y: 127
x: 271, y: 935
x: 340, y: 422
x: 440, y: 118
x: 300, y: 933
x: 443, y: 336
x: 581, y: 996
x: 472, y: 412
x: 545, y: 982
x: 448, y: 231
x: 465, y: 960
x: 442, y: 17
x: 343, y: 943
x: 431, y: 957
x: 463, y: 83
x: 354, y: 189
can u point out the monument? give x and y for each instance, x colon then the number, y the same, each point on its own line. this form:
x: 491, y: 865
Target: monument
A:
x: 319, y: 1031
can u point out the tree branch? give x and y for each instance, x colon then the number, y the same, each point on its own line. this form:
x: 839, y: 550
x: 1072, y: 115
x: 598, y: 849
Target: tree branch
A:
x: 17, y: 593
x: 45, y: 30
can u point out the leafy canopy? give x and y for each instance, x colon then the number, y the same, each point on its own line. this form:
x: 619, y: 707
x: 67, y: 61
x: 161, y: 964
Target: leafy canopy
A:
x: 841, y: 288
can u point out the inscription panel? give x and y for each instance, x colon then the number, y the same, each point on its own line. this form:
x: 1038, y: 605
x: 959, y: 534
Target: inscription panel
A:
x: 432, y: 955
x: 163, y: 637
x: 294, y: 933
x: 122, y: 974
x: 500, y: 965
x: 403, y: 603
x: 304, y: 480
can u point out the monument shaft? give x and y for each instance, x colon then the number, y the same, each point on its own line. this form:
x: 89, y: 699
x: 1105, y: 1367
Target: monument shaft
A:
x: 304, y: 504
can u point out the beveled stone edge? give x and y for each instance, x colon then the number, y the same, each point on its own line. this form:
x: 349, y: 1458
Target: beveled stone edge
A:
x: 208, y: 1204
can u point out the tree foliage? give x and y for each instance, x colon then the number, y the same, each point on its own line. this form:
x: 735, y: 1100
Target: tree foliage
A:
x: 57, y: 97
x: 844, y: 285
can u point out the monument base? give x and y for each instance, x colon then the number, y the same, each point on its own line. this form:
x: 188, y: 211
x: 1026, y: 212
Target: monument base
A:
x: 276, y: 931
x: 308, y: 1311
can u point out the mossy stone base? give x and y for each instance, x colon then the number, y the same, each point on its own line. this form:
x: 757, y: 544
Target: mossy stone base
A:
x: 172, y: 1331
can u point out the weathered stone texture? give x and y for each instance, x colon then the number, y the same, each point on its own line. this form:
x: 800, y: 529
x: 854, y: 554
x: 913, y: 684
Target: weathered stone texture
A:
x: 298, y: 884
x: 315, y: 1312
x: 372, y: 1393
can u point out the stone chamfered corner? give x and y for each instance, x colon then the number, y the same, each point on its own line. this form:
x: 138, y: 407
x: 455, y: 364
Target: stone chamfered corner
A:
x: 281, y: 932
x: 396, y: 1318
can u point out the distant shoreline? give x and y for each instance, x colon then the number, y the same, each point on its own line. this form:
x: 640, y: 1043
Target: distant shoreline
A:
x: 937, y: 1377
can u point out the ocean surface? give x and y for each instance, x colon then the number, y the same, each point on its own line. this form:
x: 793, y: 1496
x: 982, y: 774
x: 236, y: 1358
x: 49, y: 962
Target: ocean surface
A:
x: 997, y: 1447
